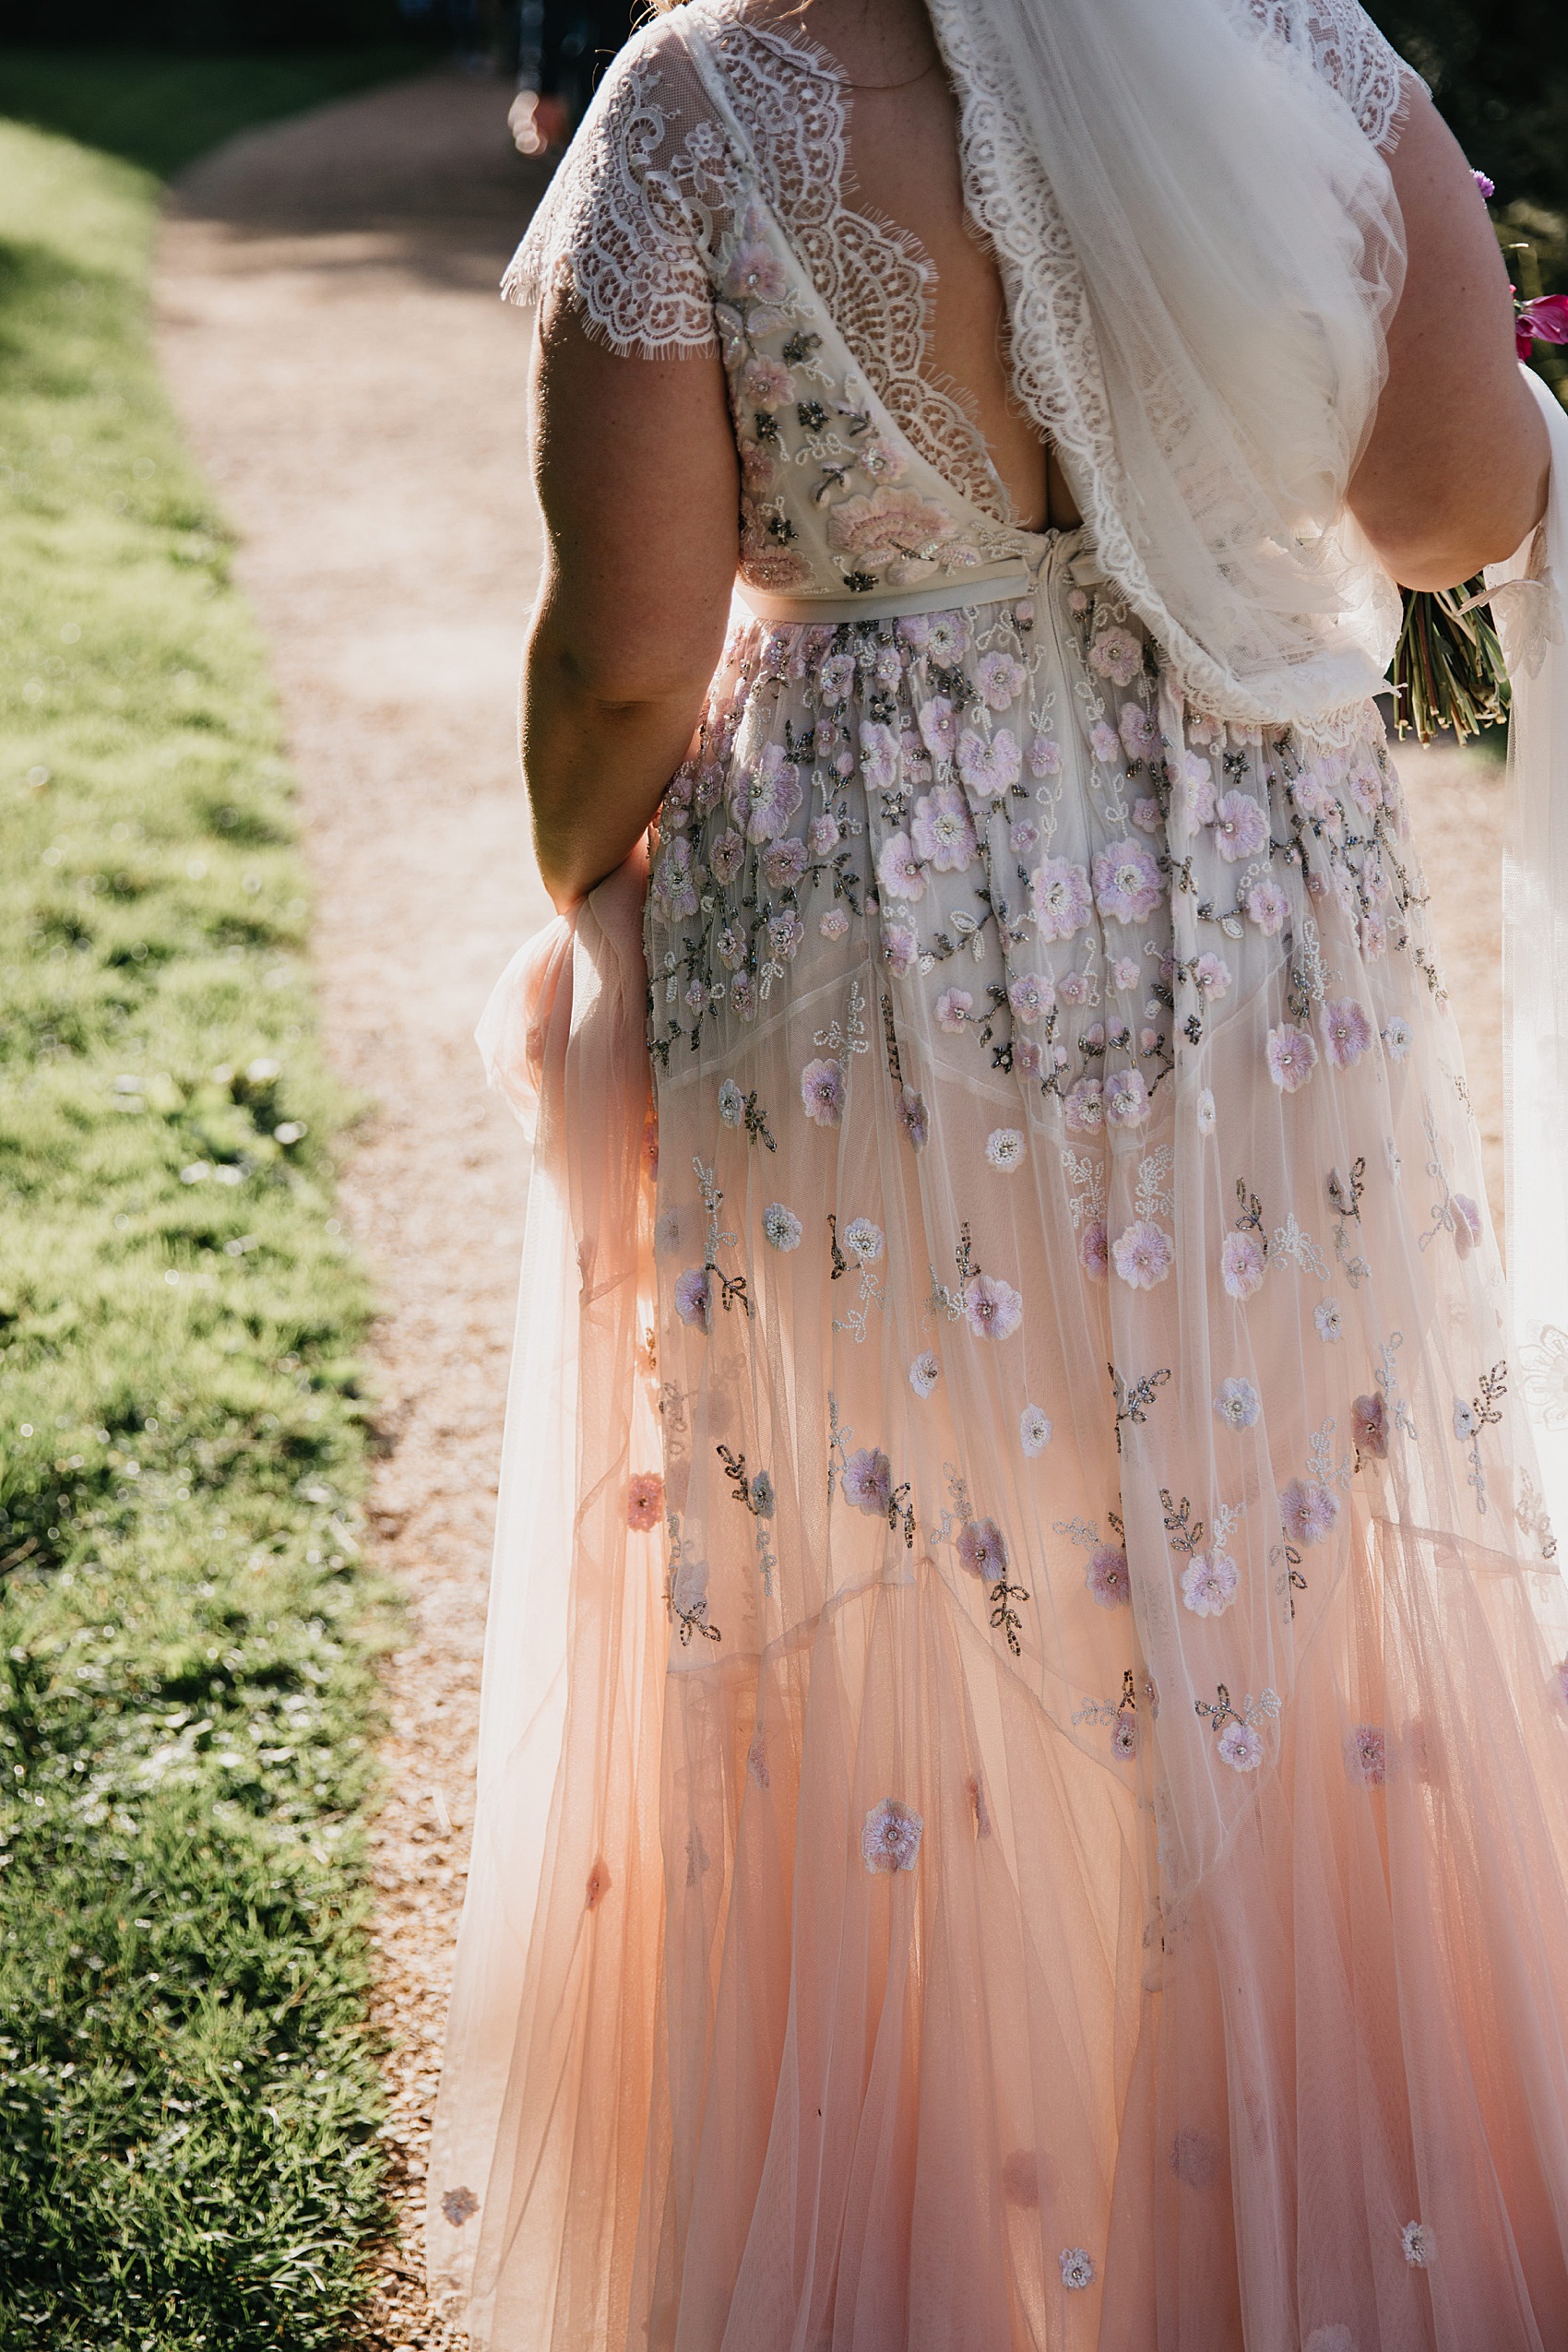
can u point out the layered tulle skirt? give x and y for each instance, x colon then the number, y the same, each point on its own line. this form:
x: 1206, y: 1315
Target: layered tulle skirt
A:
x: 1023, y: 1792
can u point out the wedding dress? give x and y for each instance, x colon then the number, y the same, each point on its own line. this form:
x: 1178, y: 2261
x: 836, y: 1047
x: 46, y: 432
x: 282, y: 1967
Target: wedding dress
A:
x: 1024, y: 1781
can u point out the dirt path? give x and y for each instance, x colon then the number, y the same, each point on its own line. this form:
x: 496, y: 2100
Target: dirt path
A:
x: 330, y: 328
x: 330, y: 325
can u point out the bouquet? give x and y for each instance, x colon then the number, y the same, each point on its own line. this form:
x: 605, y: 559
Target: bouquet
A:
x: 1448, y: 669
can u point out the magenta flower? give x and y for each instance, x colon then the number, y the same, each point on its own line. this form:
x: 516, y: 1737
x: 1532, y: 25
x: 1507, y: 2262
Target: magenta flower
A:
x: 1126, y: 881
x: 1059, y: 892
x: 1293, y: 1057
x: 822, y: 1093
x: 1543, y: 321
x: 1143, y: 1255
x: 1347, y: 1032
x: 992, y: 1309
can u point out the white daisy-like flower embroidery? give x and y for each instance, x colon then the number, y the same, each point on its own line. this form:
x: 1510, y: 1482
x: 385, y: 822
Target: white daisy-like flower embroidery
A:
x: 731, y: 1103
x: 1329, y: 1320
x: 781, y: 1226
x: 1397, y: 1038
x: 1236, y: 1404
x: 1205, y: 1111
x: 1419, y: 2244
x: 890, y: 1840
x: 1078, y: 2269
x: 863, y: 1240
x: 1240, y: 1746
x: 1004, y: 1149
x: 924, y: 1373
x: 1034, y: 1430
x: 1208, y: 1583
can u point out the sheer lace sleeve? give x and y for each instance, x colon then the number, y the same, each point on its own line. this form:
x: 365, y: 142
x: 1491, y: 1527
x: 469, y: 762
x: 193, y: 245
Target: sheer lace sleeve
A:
x: 628, y: 223
x: 1353, y: 58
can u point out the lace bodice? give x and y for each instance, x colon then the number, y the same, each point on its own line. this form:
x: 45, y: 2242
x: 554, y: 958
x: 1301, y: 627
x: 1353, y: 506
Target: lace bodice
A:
x: 626, y: 219
x: 706, y: 203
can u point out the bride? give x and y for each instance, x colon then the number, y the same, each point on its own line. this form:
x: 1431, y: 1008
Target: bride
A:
x: 1024, y: 1773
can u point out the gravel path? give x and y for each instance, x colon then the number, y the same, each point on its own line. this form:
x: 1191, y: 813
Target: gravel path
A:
x: 328, y: 322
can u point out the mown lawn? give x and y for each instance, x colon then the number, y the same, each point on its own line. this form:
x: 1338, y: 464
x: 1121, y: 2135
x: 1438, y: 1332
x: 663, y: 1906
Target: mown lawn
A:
x: 188, y: 2097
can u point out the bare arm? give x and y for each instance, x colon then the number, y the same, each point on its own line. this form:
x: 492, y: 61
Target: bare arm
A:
x: 1455, y: 473
x: 635, y: 463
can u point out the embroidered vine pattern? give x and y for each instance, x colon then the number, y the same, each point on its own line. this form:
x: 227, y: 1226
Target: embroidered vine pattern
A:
x: 1134, y: 1398
x: 1345, y: 1199
x: 755, y: 1494
x: 732, y: 1290
x: 1483, y: 1410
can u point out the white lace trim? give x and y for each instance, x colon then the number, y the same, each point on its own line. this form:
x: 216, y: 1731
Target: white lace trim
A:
x: 876, y: 280
x: 1351, y: 53
x: 633, y: 217
x: 621, y: 233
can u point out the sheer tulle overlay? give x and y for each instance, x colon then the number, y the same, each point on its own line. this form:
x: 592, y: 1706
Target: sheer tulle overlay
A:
x: 1023, y: 1775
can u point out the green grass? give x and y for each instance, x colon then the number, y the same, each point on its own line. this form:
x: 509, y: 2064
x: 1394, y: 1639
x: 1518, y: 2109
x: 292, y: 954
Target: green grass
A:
x: 188, y: 2097
x: 161, y: 111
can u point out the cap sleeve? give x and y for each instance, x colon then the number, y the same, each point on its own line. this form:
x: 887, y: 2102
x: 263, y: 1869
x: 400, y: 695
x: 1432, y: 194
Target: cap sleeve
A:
x: 1353, y: 58
x: 634, y: 215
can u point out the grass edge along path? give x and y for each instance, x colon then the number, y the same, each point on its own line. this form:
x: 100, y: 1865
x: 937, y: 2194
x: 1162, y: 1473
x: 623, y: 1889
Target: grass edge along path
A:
x: 189, y: 2100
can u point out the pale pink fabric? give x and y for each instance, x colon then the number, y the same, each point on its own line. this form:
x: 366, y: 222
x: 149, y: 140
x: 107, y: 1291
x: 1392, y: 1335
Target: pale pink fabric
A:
x: 1024, y: 1781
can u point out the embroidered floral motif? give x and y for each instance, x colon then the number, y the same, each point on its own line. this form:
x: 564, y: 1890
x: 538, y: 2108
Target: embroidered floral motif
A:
x: 890, y: 1840
x: 1419, y: 2244
x: 1237, y: 1738
x: 1078, y: 2269
x: 644, y: 1501
x: 1238, y: 1404
x: 1366, y: 1756
x: 1034, y: 1430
